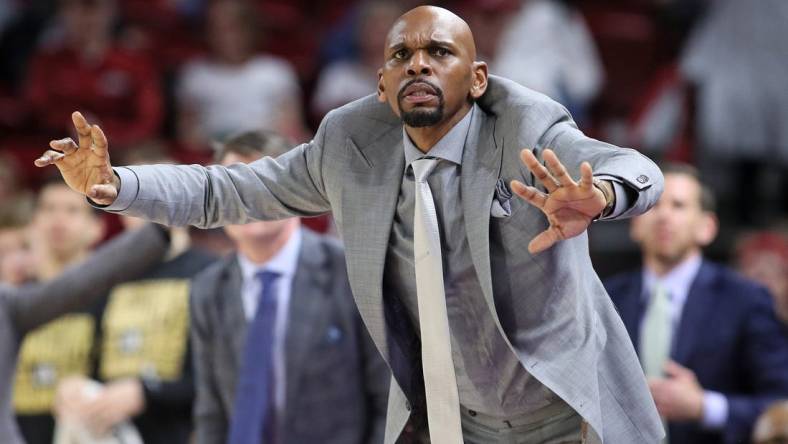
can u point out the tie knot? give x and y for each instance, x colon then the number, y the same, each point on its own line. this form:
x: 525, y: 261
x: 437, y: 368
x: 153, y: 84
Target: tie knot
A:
x: 660, y: 291
x: 423, y: 167
x: 267, y: 277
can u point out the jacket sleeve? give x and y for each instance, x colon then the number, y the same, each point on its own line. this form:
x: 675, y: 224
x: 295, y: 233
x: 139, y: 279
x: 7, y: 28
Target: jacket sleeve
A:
x: 121, y: 259
x: 536, y: 122
x: 179, y: 195
x: 210, y: 419
x: 765, y: 360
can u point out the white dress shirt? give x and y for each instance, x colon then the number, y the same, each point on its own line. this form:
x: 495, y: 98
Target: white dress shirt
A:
x: 677, y: 283
x: 284, y: 262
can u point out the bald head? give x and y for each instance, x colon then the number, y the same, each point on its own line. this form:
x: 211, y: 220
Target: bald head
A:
x: 432, y: 21
x: 430, y: 76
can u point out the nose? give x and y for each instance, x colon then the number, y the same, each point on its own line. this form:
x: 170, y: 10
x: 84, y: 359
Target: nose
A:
x: 419, y: 65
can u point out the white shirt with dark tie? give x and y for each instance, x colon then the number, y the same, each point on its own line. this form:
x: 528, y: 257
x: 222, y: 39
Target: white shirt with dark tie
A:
x: 284, y: 262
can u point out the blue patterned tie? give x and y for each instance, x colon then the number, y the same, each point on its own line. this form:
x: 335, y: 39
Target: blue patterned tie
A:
x: 253, y: 418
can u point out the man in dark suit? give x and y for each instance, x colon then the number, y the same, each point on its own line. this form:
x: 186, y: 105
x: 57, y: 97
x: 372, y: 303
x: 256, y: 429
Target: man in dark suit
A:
x: 326, y: 381
x: 708, y: 339
x: 25, y: 308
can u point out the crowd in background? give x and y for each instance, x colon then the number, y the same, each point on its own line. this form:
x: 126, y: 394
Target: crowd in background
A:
x: 697, y: 81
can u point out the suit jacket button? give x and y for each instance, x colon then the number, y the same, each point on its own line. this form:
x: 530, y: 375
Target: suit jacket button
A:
x: 407, y: 406
x: 472, y: 412
x: 642, y: 178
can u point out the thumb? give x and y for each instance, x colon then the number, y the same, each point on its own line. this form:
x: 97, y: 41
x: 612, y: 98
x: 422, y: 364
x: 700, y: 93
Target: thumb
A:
x: 49, y: 157
x: 103, y: 194
x: 543, y: 240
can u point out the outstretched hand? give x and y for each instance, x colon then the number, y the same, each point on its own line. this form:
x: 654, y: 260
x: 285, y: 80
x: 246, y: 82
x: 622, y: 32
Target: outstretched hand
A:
x: 570, y: 206
x: 85, y: 167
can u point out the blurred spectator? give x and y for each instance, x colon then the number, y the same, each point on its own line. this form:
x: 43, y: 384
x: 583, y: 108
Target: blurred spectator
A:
x: 710, y: 344
x: 16, y: 260
x: 234, y: 88
x: 167, y: 30
x: 772, y: 426
x: 763, y: 257
x: 144, y: 357
x: 547, y: 47
x: 24, y: 308
x: 231, y: 305
x: 488, y: 19
x: 21, y: 22
x: 63, y: 231
x: 340, y: 41
x: 346, y: 80
x: 83, y: 68
x: 737, y: 58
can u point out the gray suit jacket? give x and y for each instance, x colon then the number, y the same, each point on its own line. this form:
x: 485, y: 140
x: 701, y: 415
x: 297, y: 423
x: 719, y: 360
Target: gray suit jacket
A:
x: 551, y: 307
x: 337, y: 383
x: 24, y: 308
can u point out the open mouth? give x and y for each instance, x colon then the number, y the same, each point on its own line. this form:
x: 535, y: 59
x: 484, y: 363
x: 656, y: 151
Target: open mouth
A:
x: 419, y: 93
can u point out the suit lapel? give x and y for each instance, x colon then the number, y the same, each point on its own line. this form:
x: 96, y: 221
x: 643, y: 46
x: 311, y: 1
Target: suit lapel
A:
x: 308, y: 311
x: 368, y: 206
x: 481, y: 166
x: 233, y: 317
x: 694, y: 314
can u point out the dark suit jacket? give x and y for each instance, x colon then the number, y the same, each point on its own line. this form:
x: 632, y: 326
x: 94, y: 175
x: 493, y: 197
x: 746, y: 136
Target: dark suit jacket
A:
x: 729, y: 336
x: 337, y: 385
x: 25, y: 308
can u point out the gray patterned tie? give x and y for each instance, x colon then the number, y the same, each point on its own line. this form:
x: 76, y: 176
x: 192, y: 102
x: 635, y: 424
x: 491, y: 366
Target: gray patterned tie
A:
x: 440, y: 382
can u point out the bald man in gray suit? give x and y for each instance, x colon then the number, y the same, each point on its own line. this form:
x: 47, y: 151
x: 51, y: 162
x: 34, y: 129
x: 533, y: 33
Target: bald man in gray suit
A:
x: 536, y: 350
x: 23, y: 309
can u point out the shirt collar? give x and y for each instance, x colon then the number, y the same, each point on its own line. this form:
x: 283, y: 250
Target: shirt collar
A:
x: 284, y: 262
x: 677, y: 281
x: 450, y: 147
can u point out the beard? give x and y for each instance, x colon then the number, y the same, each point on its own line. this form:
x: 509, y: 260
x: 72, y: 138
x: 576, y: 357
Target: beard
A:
x: 421, y: 117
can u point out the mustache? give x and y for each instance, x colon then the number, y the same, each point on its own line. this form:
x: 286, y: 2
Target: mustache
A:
x: 401, y: 93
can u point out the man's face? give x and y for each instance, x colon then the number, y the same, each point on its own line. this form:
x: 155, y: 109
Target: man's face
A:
x: 63, y: 223
x: 227, y: 32
x: 676, y: 225
x: 429, y: 74
x: 256, y: 231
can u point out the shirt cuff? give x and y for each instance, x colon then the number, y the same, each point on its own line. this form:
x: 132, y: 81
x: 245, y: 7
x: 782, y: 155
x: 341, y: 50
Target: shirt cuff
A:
x: 622, y: 198
x: 715, y: 410
x: 129, y: 188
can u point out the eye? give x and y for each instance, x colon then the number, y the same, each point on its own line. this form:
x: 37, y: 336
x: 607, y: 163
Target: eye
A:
x: 439, y: 51
x: 400, y: 54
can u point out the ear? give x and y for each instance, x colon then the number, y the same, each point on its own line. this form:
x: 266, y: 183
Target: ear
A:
x: 381, y: 88
x: 707, y: 229
x: 479, y: 84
